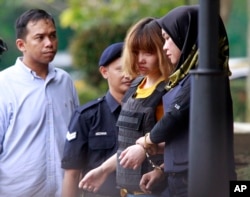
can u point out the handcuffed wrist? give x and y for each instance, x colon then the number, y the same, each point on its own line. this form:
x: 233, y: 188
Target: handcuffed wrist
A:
x: 159, y: 168
x: 146, y: 144
x: 142, y: 147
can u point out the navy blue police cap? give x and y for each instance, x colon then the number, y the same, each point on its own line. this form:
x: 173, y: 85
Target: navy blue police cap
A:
x: 111, y: 53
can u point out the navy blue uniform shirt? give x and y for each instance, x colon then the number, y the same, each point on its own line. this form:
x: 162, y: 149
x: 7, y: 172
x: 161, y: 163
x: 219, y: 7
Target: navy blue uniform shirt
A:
x: 92, y: 138
x: 173, y: 128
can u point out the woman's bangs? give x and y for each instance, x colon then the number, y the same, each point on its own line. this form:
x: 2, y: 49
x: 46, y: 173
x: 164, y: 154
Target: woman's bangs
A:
x: 143, y: 42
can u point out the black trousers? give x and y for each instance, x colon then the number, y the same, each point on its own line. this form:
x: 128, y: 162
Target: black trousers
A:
x: 178, y: 184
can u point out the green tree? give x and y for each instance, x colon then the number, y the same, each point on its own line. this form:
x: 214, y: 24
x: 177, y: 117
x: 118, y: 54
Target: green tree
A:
x: 81, y: 15
x: 11, y: 9
x: 98, y: 23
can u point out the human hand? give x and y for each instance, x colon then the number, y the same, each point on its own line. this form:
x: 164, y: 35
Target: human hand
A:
x: 132, y: 157
x: 141, y: 141
x: 93, y: 180
x: 150, y: 179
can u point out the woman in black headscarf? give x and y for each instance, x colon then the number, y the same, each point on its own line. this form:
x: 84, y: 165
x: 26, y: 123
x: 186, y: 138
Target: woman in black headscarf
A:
x: 180, y: 31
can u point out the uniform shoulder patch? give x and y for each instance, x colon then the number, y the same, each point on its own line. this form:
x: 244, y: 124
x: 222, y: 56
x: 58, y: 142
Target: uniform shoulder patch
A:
x: 71, y: 136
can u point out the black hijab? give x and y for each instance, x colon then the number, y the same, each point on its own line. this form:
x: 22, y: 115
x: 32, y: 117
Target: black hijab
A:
x: 181, y: 24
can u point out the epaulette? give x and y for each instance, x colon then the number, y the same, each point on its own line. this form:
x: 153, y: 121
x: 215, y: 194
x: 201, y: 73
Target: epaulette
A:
x: 90, y: 104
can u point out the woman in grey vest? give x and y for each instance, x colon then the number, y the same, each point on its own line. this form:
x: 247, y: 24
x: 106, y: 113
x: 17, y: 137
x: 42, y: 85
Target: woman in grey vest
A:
x: 141, y: 108
x: 180, y: 31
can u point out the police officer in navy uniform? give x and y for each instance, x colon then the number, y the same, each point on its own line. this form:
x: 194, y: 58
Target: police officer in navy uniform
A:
x: 92, y: 135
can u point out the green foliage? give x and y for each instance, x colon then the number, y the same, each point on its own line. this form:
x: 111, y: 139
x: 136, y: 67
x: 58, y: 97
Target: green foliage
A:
x: 100, y: 23
x: 11, y: 10
x: 88, y: 94
x: 7, y: 33
x: 237, y: 29
x: 87, y: 47
x: 84, y: 14
x: 238, y: 90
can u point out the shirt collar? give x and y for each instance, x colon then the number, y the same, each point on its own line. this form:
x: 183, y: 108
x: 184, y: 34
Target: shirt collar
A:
x: 51, y: 73
x: 112, y: 103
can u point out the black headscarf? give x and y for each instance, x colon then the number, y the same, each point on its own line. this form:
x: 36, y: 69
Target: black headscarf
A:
x: 181, y: 24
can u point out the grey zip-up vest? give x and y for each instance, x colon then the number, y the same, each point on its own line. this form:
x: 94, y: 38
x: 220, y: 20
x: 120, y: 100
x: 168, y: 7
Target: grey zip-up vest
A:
x: 137, y: 117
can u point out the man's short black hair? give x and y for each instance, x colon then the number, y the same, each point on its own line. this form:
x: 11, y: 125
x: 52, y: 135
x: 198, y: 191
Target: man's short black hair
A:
x: 26, y: 17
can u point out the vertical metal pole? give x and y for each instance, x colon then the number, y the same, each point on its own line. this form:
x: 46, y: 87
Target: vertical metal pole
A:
x: 248, y: 56
x: 208, y: 167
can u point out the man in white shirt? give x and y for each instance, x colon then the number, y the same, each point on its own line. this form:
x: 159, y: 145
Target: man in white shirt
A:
x: 36, y: 103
